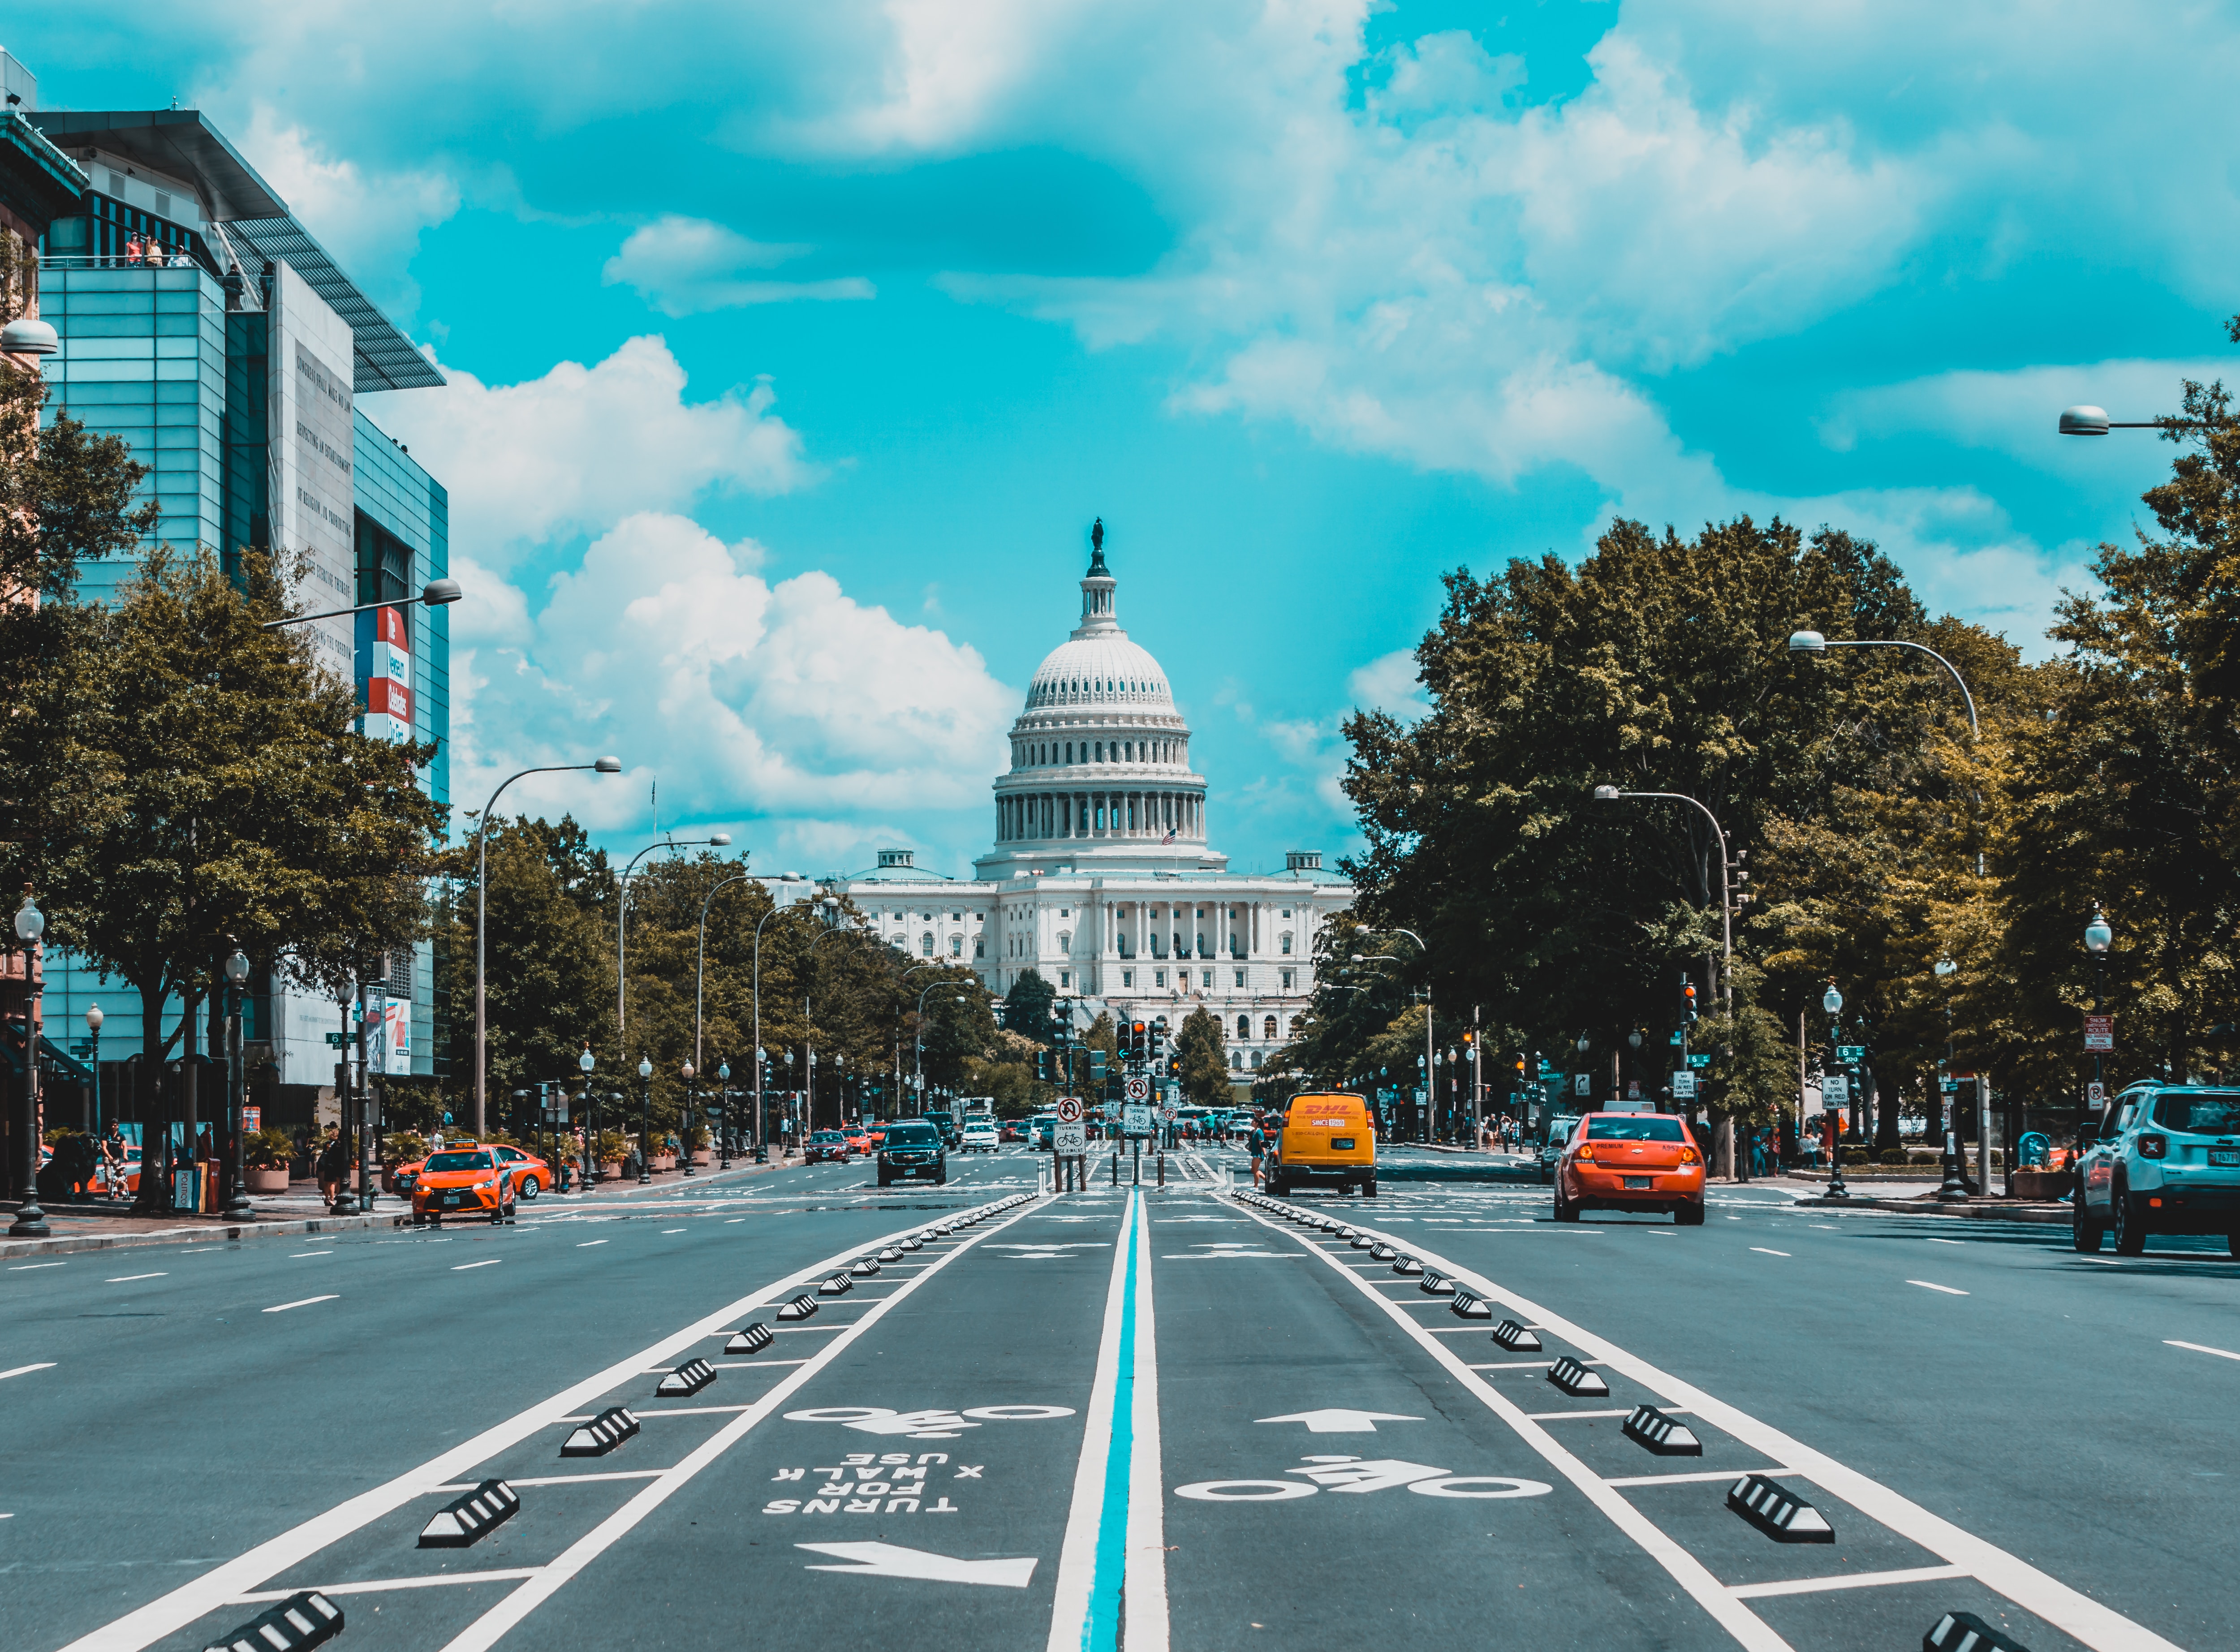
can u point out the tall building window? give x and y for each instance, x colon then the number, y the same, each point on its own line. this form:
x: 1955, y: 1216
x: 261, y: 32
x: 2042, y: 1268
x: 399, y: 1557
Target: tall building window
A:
x: 925, y: 944
x: 1267, y: 1030
x: 1127, y: 977
x: 1207, y: 974
x: 979, y: 946
x: 1159, y: 977
x: 1065, y: 978
x: 1287, y: 980
x: 1240, y: 977
x: 1287, y: 943
x: 955, y: 946
x: 1245, y: 1026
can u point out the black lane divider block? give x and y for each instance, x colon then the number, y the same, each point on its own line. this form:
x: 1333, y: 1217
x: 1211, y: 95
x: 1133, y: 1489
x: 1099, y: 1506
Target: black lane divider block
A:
x: 1362, y: 1242
x: 601, y: 1433
x: 1407, y: 1265
x: 307, y: 1619
x: 1383, y: 1253
x: 1436, y: 1285
x: 890, y: 1255
x: 749, y: 1339
x: 838, y: 1285
x: 1965, y: 1632
x: 913, y: 1244
x: 1514, y: 1337
x: 1347, y: 1234
x: 866, y: 1267
x: 800, y: 1307
x: 1650, y: 1427
x: 1574, y: 1378
x: 1466, y: 1306
x: 469, y: 1519
x: 1777, y: 1511
x: 688, y: 1378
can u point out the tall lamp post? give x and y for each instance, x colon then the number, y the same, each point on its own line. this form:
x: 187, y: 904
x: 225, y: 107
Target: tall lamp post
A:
x: 1612, y: 794
x: 31, y: 1221
x: 684, y: 1136
x: 713, y: 839
x: 729, y: 1123
x: 585, y: 1063
x: 1832, y: 1002
x: 762, y: 1056
x: 2098, y: 937
x: 237, y: 1208
x: 603, y: 766
x: 645, y: 1119
x: 93, y: 1019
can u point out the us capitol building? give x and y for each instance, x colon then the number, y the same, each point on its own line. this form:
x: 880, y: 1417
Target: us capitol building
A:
x: 1102, y: 876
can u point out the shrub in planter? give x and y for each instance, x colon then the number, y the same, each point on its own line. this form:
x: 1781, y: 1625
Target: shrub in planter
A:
x: 1893, y: 1156
x: 269, y: 1150
x: 1855, y: 1156
x: 701, y: 1138
x: 613, y: 1147
x: 1923, y: 1158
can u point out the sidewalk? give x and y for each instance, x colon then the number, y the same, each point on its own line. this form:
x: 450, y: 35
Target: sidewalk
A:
x: 102, y: 1224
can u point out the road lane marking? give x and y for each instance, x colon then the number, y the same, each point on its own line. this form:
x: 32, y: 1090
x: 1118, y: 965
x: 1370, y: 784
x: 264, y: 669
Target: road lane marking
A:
x: 1698, y: 1478
x: 1567, y: 1417
x: 126, y: 1279
x: 1144, y: 1599
x: 892, y: 1560
x: 2073, y: 1612
x: 295, y: 1255
x: 306, y: 1302
x: 1947, y: 1290
x: 588, y: 1244
x: 263, y: 1597
x: 1763, y: 1251
x: 553, y: 1480
x: 25, y: 1370
x: 672, y: 1230
x: 1944, y: 1241
x: 26, y: 1267
x: 464, y: 1266
x: 2199, y: 1347
x: 1850, y: 1579
x: 169, y: 1613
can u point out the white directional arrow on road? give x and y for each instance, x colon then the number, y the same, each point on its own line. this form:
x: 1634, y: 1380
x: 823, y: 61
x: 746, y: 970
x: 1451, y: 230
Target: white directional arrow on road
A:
x: 890, y: 1560
x: 1338, y: 1421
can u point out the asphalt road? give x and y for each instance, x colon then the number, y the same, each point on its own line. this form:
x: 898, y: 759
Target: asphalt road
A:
x: 1135, y: 1418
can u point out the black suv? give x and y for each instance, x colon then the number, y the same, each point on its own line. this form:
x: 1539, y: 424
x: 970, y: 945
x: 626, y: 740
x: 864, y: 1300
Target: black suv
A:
x: 913, y: 1151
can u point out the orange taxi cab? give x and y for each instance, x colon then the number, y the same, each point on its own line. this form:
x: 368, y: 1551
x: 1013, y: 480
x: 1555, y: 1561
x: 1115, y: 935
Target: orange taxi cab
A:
x: 1644, y: 1162
x: 530, y: 1175
x: 859, y: 1140
x: 463, y: 1181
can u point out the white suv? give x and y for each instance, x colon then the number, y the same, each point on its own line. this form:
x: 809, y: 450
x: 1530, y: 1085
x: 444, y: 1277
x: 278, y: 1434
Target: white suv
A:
x: 980, y: 1137
x: 2167, y: 1159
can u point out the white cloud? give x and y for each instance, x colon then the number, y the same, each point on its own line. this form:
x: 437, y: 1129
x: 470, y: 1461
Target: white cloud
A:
x: 747, y: 699
x: 687, y: 266
x: 1389, y: 683
x: 582, y: 447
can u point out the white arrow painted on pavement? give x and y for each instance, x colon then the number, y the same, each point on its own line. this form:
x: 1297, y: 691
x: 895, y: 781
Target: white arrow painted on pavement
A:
x: 890, y: 1560
x: 1338, y: 1421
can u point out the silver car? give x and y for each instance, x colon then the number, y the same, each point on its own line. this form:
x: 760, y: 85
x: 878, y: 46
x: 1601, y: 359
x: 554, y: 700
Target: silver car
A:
x: 2166, y: 1160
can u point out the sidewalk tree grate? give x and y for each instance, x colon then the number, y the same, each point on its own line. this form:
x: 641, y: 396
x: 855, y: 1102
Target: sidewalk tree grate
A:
x: 1514, y: 1337
x: 1778, y: 1512
x: 801, y: 1307
x: 305, y: 1619
x: 1965, y: 1632
x: 471, y: 1518
x: 688, y: 1378
x: 601, y: 1433
x: 1466, y: 1306
x: 1576, y: 1379
x: 1650, y: 1428
x: 751, y: 1339
x: 1407, y: 1265
x: 838, y: 1285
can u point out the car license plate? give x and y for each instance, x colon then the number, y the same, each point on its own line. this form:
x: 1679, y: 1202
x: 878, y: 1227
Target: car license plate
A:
x: 451, y: 1198
x: 1641, y: 1182
x: 2224, y: 1155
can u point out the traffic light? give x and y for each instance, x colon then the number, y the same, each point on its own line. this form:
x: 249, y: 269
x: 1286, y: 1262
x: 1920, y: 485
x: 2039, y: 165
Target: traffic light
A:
x: 1158, y: 1037
x: 1045, y: 1067
x: 1687, y: 1001
x: 1096, y: 1066
x: 1139, y: 1041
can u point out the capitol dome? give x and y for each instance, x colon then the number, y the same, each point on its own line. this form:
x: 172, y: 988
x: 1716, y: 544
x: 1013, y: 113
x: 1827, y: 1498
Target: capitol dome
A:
x: 1100, y: 758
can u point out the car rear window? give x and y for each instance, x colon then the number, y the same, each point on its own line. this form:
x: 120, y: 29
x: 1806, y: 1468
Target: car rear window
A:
x: 912, y: 1136
x: 827, y: 1135
x: 1634, y: 1129
x: 442, y: 1162
x: 2204, y: 1113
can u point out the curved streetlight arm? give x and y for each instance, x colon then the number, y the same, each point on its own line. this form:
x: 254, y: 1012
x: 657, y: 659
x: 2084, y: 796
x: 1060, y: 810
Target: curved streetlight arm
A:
x: 603, y: 765
x: 1429, y: 1021
x: 720, y: 840
x: 700, y: 970
x: 435, y: 594
x: 1974, y: 727
x: 1726, y: 897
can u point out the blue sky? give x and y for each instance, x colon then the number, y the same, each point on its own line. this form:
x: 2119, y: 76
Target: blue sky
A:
x: 794, y: 348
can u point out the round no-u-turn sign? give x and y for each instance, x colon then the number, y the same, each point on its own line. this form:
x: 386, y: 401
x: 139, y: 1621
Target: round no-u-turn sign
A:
x: 1139, y: 1089
x: 1068, y: 1109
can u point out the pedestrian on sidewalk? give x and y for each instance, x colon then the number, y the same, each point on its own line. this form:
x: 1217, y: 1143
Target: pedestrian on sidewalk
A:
x: 332, y: 1168
x: 1257, y: 1142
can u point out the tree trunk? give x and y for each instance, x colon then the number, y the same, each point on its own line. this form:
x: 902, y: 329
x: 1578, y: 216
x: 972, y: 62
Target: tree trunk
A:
x: 1886, y: 1112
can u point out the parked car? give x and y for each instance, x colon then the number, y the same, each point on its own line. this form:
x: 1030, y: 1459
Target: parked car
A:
x: 826, y: 1146
x: 1552, y: 1145
x: 980, y: 1137
x: 2166, y: 1159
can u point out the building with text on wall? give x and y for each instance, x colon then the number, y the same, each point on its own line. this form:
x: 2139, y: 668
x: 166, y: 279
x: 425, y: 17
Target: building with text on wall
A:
x: 1102, y: 876
x: 201, y: 322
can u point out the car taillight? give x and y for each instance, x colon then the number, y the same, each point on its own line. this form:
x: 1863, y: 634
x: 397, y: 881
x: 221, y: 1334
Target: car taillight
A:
x: 1687, y: 1155
x: 1587, y: 1151
x: 2153, y: 1147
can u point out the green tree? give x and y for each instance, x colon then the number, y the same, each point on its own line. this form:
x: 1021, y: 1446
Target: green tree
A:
x: 1027, y: 1006
x: 1205, y: 1077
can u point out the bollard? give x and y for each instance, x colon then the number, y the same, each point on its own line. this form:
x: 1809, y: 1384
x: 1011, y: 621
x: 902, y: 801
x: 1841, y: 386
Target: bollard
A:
x: 1162, y: 1169
x: 1115, y: 1167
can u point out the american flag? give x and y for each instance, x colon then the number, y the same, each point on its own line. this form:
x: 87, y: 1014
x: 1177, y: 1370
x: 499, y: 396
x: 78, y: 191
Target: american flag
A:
x: 1169, y: 837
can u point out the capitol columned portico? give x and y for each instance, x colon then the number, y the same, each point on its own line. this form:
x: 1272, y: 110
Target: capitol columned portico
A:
x: 1102, y: 877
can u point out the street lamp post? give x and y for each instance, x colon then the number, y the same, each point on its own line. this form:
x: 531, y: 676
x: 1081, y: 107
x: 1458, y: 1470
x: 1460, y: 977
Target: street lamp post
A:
x: 237, y: 1208
x: 604, y: 766
x: 762, y: 1118
x: 762, y: 1057
x: 684, y: 1136
x: 645, y: 1119
x: 31, y: 1221
x: 723, y: 1134
x: 2098, y: 937
x: 1612, y: 794
x: 1832, y: 1002
x: 584, y: 1064
x: 93, y: 1019
x: 435, y: 594
x: 713, y: 839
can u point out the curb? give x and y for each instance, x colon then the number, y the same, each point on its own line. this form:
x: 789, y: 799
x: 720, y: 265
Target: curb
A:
x: 2045, y: 1215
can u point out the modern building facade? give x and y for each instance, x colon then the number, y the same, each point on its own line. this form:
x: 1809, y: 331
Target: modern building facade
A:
x: 1102, y: 876
x: 203, y: 324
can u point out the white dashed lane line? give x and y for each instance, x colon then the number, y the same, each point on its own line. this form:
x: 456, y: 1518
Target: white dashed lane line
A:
x: 294, y: 1255
x: 464, y: 1266
x: 25, y: 1370
x: 588, y: 1244
x: 1763, y: 1251
x: 2199, y: 1347
x: 126, y: 1279
x: 1947, y: 1290
x: 306, y: 1302
x: 26, y: 1267
x: 1944, y: 1242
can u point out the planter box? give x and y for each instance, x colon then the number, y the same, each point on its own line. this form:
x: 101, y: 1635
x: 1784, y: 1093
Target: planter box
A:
x: 661, y: 1161
x: 266, y: 1180
x: 704, y: 1156
x: 2045, y: 1184
x: 612, y: 1172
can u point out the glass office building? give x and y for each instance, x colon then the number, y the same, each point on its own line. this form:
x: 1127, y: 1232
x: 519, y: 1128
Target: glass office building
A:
x: 204, y: 325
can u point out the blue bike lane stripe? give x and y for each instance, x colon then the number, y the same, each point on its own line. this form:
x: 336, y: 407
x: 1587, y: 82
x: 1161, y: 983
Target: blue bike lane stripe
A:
x: 1092, y: 1565
x: 1102, y: 1633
